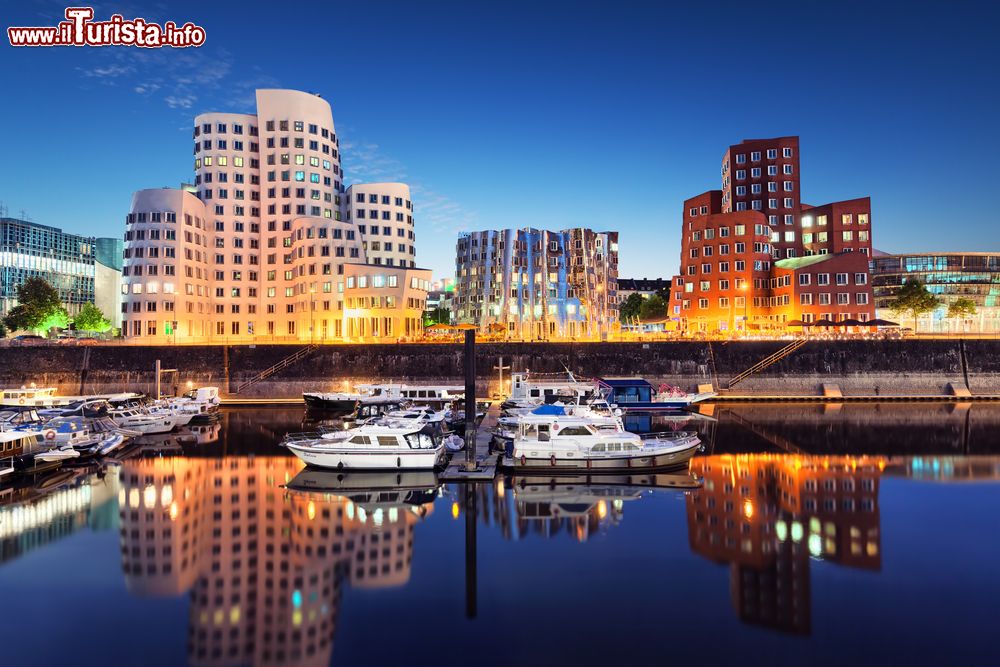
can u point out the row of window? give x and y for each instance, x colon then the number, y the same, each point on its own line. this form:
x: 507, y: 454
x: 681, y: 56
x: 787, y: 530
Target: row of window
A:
x: 755, y: 188
x: 823, y: 299
x: 383, y: 199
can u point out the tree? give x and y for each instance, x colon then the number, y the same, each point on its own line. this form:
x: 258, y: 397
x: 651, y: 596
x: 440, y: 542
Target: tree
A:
x: 629, y: 310
x: 38, y: 307
x: 962, y: 308
x: 653, y: 307
x: 913, y: 299
x: 90, y: 318
x: 439, y: 315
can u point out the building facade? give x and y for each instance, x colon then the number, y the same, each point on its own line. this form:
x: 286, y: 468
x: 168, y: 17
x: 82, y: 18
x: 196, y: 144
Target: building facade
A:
x: 80, y: 268
x: 255, y: 249
x: 948, y: 276
x: 646, y: 287
x: 383, y: 215
x: 733, y: 238
x: 538, y: 284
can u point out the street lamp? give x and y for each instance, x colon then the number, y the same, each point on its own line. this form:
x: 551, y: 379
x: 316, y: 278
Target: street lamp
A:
x: 312, y: 314
x: 743, y: 288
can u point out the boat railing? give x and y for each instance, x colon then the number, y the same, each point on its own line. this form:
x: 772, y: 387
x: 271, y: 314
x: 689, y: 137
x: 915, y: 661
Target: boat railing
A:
x: 671, y: 434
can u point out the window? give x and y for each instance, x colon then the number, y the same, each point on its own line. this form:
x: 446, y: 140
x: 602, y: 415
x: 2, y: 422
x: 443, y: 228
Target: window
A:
x: 772, y: 153
x: 860, y: 278
x: 804, y: 279
x: 843, y: 298
x: 786, y: 152
x: 824, y: 298
x: 848, y: 235
x: 806, y: 299
x: 841, y: 278
x: 823, y: 279
x: 861, y: 298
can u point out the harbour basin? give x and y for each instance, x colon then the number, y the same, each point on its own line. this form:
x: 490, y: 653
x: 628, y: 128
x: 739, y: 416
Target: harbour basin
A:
x: 819, y: 534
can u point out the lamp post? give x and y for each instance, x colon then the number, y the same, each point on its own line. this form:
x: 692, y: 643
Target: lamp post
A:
x: 743, y: 289
x: 312, y: 314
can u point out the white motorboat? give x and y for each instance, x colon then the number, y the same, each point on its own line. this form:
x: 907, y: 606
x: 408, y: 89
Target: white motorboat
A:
x: 54, y: 454
x: 202, y: 403
x: 181, y: 416
x: 37, y: 396
x: 528, y: 391
x: 561, y: 442
x: 402, y: 444
x: 72, y: 432
x: 144, y: 422
x: 420, y: 413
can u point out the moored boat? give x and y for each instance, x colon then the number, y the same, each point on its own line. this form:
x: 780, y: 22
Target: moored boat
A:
x: 403, y: 444
x: 575, y: 443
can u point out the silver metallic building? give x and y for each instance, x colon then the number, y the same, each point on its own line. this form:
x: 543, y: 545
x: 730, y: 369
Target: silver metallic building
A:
x: 536, y: 284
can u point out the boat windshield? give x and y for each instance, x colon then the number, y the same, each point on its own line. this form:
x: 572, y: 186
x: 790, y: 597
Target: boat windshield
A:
x: 574, y: 430
x: 421, y: 440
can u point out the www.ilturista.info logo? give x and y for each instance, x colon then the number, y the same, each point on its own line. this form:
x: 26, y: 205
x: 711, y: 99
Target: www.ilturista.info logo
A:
x: 79, y: 29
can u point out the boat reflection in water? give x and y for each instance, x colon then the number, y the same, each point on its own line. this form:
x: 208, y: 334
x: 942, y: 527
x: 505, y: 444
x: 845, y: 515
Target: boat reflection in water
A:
x: 787, y: 505
x: 265, y: 566
x: 580, y: 506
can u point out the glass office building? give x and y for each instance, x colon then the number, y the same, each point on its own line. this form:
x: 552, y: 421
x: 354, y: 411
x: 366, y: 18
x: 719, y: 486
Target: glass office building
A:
x: 66, y: 261
x: 949, y: 276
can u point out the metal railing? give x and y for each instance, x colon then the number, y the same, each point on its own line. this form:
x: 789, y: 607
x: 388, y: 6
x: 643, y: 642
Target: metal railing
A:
x: 764, y: 363
x: 268, y: 372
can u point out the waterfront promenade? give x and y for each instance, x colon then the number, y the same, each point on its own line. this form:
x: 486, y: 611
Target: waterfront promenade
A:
x: 956, y: 368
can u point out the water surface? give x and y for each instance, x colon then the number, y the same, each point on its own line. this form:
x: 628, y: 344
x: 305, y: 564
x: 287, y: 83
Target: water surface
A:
x: 850, y: 534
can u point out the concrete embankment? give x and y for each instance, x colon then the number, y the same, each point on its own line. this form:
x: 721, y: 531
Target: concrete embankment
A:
x: 855, y: 367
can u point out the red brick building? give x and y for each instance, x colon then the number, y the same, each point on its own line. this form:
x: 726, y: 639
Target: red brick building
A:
x: 734, y: 237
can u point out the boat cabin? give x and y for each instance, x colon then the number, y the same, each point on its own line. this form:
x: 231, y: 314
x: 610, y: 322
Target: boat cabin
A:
x: 625, y: 391
x: 525, y: 388
x: 28, y: 396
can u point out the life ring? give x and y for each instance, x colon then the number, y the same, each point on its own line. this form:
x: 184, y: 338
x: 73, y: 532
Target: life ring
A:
x: 552, y: 459
x: 50, y: 434
x: 20, y: 401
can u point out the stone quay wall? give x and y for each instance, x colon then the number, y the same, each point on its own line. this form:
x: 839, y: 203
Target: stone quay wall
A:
x: 858, y: 367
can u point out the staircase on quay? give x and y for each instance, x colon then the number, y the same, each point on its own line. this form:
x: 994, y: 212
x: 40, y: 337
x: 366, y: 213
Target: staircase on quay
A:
x: 271, y: 370
x: 764, y: 363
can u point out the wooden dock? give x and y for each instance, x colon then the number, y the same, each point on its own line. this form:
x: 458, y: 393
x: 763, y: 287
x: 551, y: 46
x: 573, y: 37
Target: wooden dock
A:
x: 486, y: 463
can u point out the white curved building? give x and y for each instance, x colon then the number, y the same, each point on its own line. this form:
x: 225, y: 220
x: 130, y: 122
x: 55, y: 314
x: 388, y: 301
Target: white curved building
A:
x: 256, y: 251
x: 383, y: 213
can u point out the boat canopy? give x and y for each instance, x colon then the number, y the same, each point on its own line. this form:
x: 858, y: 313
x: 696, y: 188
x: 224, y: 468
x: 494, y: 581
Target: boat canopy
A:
x: 549, y: 409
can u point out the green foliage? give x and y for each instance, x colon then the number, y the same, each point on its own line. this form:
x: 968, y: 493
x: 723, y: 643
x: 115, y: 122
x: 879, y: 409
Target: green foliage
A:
x: 91, y: 318
x: 962, y: 308
x: 439, y: 315
x: 629, y: 310
x: 914, y: 299
x: 3, y: 330
x: 38, y: 308
x: 653, y: 308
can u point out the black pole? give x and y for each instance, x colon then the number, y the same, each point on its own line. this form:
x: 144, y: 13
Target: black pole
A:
x: 470, y: 398
x: 471, y: 606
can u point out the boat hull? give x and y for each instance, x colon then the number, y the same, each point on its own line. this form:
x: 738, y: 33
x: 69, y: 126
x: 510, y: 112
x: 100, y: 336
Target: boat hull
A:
x: 560, y: 462
x: 370, y: 459
x: 339, y: 405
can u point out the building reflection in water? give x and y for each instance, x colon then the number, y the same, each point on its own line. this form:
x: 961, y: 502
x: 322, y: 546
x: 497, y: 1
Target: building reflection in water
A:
x: 37, y: 511
x: 768, y: 515
x: 265, y: 566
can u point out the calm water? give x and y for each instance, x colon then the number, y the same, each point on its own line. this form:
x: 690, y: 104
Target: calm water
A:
x: 819, y: 535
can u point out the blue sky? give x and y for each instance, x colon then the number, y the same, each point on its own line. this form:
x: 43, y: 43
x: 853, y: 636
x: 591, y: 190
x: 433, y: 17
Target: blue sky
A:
x: 550, y: 114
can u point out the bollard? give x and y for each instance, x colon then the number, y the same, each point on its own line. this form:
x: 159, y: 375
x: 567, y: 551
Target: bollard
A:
x: 470, y: 400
